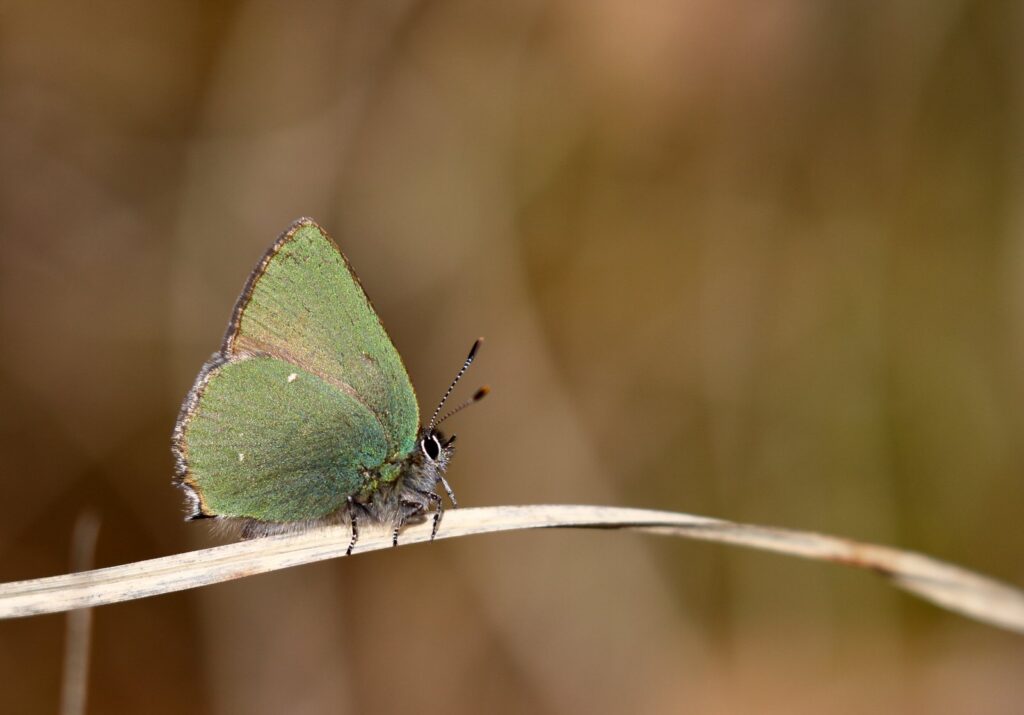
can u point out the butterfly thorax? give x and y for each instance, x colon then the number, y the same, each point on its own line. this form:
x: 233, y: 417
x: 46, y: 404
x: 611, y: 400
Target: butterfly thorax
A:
x: 402, y: 491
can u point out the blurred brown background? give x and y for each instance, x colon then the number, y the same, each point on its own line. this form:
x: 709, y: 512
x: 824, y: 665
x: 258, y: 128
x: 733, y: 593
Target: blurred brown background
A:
x: 755, y: 260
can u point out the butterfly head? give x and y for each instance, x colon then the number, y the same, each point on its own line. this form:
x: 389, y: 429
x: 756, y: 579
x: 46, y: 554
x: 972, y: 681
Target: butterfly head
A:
x: 435, y: 448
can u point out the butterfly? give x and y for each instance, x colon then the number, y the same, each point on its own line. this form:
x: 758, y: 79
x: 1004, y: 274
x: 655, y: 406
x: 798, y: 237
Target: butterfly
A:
x: 306, y: 415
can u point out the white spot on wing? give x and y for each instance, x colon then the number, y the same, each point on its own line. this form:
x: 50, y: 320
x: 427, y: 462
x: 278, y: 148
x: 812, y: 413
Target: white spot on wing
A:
x: 241, y: 456
x: 293, y: 377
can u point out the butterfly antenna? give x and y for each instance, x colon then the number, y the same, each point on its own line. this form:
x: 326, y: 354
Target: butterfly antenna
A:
x: 477, y: 396
x: 465, y: 366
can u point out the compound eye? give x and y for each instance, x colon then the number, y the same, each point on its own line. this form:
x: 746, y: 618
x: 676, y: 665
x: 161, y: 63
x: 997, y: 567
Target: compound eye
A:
x: 431, y: 447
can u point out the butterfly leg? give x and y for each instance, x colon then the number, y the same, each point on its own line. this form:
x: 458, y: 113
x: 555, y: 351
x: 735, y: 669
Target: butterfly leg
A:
x: 411, y: 509
x: 438, y: 512
x: 402, y: 518
x: 355, y: 526
x: 448, y: 490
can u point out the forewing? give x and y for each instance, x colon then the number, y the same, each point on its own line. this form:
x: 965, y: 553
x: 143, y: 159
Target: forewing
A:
x: 260, y: 438
x: 304, y: 305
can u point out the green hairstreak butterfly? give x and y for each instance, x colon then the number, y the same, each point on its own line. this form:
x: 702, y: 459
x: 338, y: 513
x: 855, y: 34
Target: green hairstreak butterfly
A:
x: 306, y: 415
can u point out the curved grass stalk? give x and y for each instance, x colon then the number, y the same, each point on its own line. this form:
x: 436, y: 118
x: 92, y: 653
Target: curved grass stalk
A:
x: 951, y: 587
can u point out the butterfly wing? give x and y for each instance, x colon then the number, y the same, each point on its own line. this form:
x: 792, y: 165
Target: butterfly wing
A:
x: 303, y: 304
x: 350, y: 406
x: 263, y: 439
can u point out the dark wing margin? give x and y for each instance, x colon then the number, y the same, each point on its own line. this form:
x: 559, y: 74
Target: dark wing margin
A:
x: 179, y: 444
x: 227, y: 343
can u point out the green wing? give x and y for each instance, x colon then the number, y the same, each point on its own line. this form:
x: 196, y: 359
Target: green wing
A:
x: 307, y: 395
x: 267, y: 440
x: 304, y: 305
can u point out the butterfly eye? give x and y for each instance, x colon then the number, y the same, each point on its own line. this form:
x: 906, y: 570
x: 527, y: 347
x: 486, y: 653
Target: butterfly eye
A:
x: 431, y: 447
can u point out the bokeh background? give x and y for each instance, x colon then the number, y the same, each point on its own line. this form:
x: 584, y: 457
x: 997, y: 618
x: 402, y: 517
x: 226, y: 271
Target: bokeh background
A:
x: 755, y: 260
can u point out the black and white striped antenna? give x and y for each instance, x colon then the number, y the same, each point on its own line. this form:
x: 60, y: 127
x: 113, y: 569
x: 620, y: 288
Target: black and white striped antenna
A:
x: 479, y: 395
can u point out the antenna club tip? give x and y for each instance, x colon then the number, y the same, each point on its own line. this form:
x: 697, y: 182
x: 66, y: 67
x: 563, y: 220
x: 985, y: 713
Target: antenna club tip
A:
x: 476, y: 346
x: 482, y: 393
